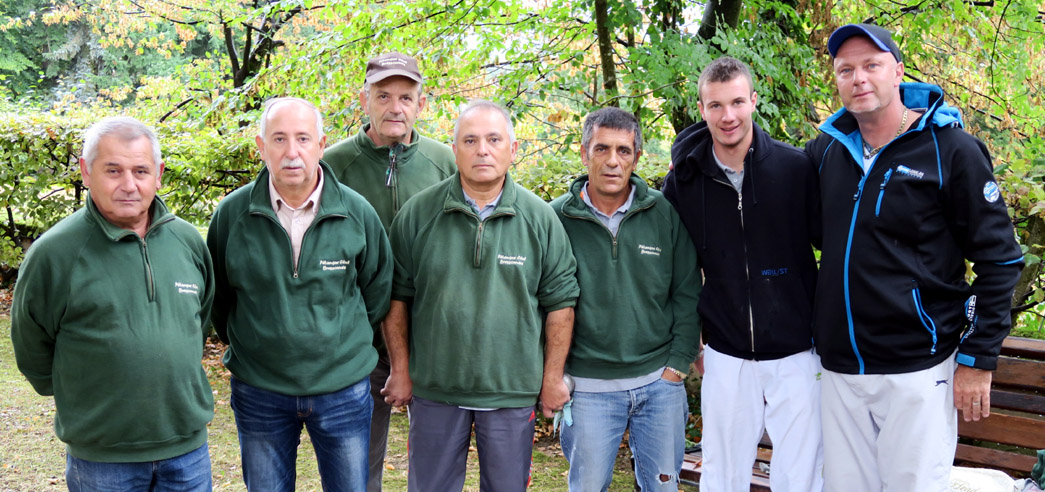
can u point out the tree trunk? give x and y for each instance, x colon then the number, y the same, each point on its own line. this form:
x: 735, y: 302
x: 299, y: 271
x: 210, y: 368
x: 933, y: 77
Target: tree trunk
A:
x: 715, y: 11
x: 1029, y: 275
x: 609, y: 71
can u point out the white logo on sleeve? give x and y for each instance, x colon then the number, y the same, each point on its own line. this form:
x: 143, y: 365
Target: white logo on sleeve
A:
x: 991, y: 192
x: 184, y: 288
x: 649, y: 250
x: 511, y: 260
x: 329, y: 265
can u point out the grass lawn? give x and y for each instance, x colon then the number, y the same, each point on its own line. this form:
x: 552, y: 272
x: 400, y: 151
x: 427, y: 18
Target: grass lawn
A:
x: 33, y: 459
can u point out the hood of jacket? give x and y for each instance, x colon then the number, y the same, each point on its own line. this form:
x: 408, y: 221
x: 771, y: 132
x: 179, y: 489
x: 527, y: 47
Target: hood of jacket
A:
x: 916, y: 96
x: 692, y: 151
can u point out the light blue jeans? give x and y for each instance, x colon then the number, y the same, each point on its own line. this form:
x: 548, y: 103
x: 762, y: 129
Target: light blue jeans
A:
x: 189, y: 472
x: 269, y: 426
x: 656, y: 416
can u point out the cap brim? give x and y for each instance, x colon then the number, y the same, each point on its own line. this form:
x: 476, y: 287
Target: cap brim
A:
x: 842, y: 34
x: 392, y: 72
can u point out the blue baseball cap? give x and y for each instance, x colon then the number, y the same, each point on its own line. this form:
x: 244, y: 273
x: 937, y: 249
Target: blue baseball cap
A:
x: 881, y: 37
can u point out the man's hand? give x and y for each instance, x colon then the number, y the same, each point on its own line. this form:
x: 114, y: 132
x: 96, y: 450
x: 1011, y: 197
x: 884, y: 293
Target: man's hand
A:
x: 670, y: 376
x: 398, y: 389
x: 554, y: 394
x: 698, y: 365
x: 972, y: 392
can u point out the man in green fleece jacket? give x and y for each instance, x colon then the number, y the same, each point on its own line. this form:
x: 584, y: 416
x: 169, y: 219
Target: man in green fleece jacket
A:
x: 637, y: 330
x: 109, y: 315
x: 484, y: 276
x: 303, y: 273
x: 388, y: 162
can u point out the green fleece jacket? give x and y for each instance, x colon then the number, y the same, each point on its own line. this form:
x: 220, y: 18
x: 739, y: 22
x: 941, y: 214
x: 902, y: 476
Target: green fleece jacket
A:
x: 479, y: 291
x: 363, y: 166
x: 112, y: 325
x: 639, y: 290
x: 306, y: 330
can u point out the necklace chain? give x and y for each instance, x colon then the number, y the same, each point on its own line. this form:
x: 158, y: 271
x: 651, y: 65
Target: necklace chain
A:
x: 871, y: 152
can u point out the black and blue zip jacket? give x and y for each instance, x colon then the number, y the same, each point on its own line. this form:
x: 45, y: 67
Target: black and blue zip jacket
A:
x: 893, y: 295
x: 755, y: 247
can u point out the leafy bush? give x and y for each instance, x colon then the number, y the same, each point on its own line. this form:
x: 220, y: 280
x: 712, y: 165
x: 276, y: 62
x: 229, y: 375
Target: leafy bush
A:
x: 40, y: 178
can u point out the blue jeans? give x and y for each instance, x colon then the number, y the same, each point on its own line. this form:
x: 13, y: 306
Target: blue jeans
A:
x: 269, y: 426
x: 656, y: 416
x: 189, y: 472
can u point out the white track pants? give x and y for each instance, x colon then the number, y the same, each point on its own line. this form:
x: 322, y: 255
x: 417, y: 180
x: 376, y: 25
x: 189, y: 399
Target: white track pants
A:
x: 739, y: 399
x: 890, y: 432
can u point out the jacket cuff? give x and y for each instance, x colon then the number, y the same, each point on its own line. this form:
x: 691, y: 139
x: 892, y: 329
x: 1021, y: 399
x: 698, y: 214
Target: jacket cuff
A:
x: 679, y: 362
x: 572, y: 302
x: 977, y: 361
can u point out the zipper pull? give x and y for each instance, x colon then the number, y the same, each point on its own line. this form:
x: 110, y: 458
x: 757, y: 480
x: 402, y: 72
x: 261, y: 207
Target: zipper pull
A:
x: 740, y: 201
x: 392, y: 158
x: 859, y: 191
x: 885, y: 180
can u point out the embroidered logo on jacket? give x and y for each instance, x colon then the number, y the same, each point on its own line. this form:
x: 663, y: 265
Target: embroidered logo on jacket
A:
x: 511, y: 260
x: 184, y: 288
x: 991, y: 192
x: 328, y: 265
x: 774, y: 272
x: 649, y: 250
x: 902, y: 169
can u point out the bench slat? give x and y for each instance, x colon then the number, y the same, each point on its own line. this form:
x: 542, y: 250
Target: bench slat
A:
x: 691, y: 470
x: 1020, y: 402
x: 1020, y: 464
x: 1027, y: 348
x: 1006, y: 429
x: 1027, y: 374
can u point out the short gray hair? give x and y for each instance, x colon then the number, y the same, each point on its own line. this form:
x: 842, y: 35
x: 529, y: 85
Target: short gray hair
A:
x: 477, y: 104
x: 724, y: 69
x: 269, y: 104
x: 615, y: 119
x: 126, y: 129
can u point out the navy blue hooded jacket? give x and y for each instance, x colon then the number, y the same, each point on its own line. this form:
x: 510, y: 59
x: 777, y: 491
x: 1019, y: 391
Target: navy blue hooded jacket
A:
x: 892, y: 294
x: 754, y: 246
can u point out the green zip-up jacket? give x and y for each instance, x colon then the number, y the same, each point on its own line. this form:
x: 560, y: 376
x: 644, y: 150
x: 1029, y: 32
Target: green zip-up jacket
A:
x: 363, y: 166
x: 638, y: 307
x: 302, y: 330
x: 478, y: 292
x: 112, y: 325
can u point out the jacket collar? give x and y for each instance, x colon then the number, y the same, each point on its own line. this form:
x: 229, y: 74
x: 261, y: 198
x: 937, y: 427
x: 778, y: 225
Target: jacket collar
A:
x: 455, y: 201
x: 692, y: 151
x: 574, y: 204
x: 331, y: 200
x: 915, y: 95
x: 158, y: 210
x: 377, y: 153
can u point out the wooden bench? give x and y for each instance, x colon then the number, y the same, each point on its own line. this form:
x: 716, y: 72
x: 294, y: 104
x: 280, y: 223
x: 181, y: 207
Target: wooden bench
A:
x: 691, y: 466
x: 1017, y: 413
x: 1017, y: 419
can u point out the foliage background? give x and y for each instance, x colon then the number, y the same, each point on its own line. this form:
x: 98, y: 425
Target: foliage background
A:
x: 198, y: 71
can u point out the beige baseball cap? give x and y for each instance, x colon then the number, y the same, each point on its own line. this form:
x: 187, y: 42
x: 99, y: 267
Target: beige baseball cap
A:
x: 390, y: 64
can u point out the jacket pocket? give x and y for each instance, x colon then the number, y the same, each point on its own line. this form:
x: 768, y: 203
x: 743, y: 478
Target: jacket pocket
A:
x: 923, y: 316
